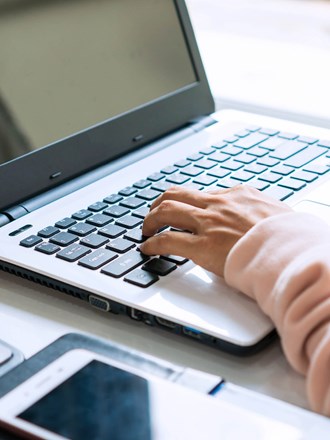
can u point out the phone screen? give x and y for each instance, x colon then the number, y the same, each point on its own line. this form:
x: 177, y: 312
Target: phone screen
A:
x: 98, y: 402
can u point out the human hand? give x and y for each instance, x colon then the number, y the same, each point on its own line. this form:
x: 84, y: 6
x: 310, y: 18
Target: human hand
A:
x: 214, y: 222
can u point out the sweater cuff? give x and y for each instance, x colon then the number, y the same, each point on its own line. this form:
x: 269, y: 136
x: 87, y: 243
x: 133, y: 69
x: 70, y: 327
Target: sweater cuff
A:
x: 257, y: 260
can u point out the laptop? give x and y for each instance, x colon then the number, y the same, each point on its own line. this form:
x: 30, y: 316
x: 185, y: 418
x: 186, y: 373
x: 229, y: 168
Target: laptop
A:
x: 105, y: 105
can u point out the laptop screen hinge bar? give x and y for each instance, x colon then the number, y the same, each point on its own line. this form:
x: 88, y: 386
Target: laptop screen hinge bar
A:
x: 4, y: 220
x: 13, y: 213
x: 200, y: 124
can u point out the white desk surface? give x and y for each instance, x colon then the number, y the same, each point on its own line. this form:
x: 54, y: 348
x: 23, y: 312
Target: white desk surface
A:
x: 267, y: 56
x: 31, y: 316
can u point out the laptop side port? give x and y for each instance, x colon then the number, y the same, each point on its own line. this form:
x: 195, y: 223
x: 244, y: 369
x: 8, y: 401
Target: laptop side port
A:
x: 136, y: 315
x: 165, y: 322
x: 99, y: 303
x: 193, y: 333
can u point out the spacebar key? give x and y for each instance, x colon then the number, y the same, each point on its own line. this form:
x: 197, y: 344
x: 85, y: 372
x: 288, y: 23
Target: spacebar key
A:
x: 122, y: 265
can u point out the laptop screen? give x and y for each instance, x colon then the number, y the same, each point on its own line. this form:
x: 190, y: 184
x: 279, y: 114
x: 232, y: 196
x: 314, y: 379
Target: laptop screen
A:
x: 68, y: 65
x: 93, y: 80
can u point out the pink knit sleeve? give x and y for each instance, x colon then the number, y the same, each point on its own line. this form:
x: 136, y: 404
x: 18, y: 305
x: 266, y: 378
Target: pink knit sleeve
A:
x: 284, y: 264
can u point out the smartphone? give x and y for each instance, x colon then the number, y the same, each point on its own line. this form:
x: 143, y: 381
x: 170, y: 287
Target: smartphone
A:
x: 85, y: 396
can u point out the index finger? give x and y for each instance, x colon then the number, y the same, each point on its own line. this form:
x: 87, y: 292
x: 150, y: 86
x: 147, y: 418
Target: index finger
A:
x: 181, y: 194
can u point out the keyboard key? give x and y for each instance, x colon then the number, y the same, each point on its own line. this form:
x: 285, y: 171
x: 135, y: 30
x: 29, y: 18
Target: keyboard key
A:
x: 193, y: 186
x: 242, y: 175
x: 195, y: 157
x: 278, y: 192
x: 129, y: 222
x: 268, y: 161
x: 257, y: 152
x: 292, y: 184
x: 112, y: 231
x: 73, y: 252
x: 97, y: 207
x: 255, y: 168
x: 159, y: 266
x: 306, y: 156
x: 155, y: 177
x: 47, y: 232
x: 47, y: 248
x: 205, y: 164
x: 120, y: 245
x: 82, y: 214
x: 177, y: 179
x: 231, y: 150
x: 94, y: 241
x: 205, y: 180
x: 228, y: 183
x: 141, y: 212
x: 65, y: 223
x: 268, y: 131
x: 82, y: 229
x: 253, y: 128
x: 169, y: 170
x: 97, y: 259
x: 270, y: 177
x: 307, y: 140
x: 219, y: 173
x: 324, y: 143
x: 99, y: 220
x: 132, y: 203
x: 258, y: 184
x: 116, y: 211
x: 288, y: 136
x: 128, y: 191
x: 316, y: 168
x: 63, y: 239
x: 122, y: 265
x: 148, y: 194
x: 135, y: 235
x: 141, y: 278
x: 230, y: 139
x: 245, y: 158
x: 242, y: 133
x: 219, y: 157
x: 287, y: 149
x: 271, y: 143
x: 232, y: 165
x: 162, y: 186
x: 174, y: 259
x: 305, y: 176
x: 250, y: 141
x: 182, y: 163
x: 219, y: 145
x: 207, y: 150
x: 192, y: 171
x: 141, y: 184
x: 113, y: 198
x: 282, y: 169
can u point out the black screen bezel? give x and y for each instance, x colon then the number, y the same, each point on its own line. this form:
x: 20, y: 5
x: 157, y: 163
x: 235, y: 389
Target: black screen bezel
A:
x: 30, y: 174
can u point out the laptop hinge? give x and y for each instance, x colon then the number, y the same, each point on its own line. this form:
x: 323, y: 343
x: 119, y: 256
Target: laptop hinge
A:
x: 14, y: 213
x: 4, y: 220
x: 201, y: 123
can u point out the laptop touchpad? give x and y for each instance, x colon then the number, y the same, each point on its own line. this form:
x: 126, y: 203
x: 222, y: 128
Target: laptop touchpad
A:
x: 319, y: 209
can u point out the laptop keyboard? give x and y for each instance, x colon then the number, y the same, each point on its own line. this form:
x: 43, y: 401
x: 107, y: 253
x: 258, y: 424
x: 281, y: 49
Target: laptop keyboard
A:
x: 105, y: 236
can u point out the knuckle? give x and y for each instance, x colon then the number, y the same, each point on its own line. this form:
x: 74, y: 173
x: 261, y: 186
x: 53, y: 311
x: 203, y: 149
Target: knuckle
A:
x: 162, y: 241
x: 165, y: 206
x: 173, y: 190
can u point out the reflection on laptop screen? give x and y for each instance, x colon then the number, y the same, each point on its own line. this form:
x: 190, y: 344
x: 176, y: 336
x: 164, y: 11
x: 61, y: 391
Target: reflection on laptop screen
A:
x: 66, y: 65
